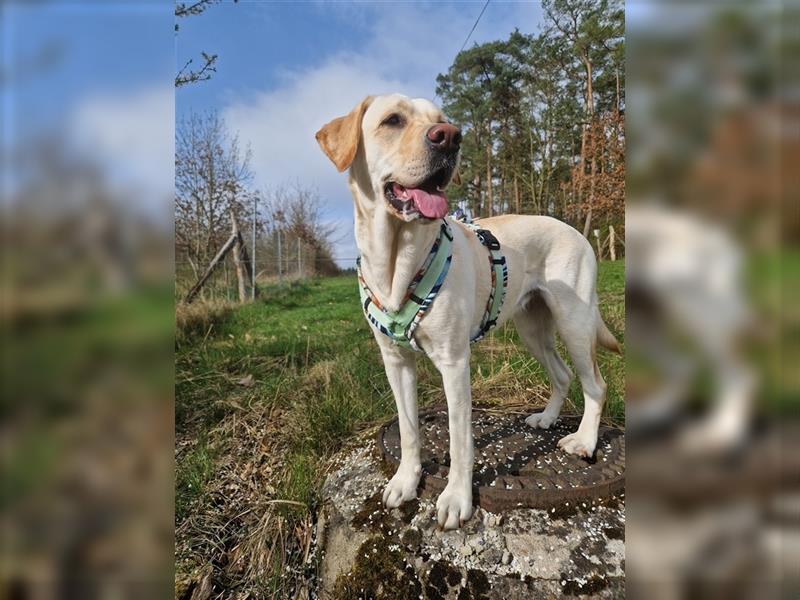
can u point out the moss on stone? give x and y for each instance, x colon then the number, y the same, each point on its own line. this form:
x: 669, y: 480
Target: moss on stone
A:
x: 615, y: 532
x: 373, y: 515
x: 380, y: 571
x: 594, y: 577
x: 454, y: 577
x: 408, y: 510
x: 590, y: 587
x: 411, y: 538
x: 441, y: 577
x: 478, y: 584
x: 571, y: 508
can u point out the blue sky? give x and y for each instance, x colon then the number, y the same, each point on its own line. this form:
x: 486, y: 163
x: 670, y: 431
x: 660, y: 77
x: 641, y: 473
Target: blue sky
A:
x: 285, y: 68
x: 261, y: 44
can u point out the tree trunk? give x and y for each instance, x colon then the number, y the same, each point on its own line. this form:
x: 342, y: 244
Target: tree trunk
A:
x: 584, y: 135
x: 534, y: 199
x: 192, y: 265
x: 226, y: 287
x: 516, y: 195
x: 589, y: 88
x: 212, y: 189
x: 501, y: 207
x: 477, y: 205
x: 489, y: 198
x: 574, y: 194
x: 581, y: 168
x: 543, y: 179
x: 592, y: 181
x: 547, y: 168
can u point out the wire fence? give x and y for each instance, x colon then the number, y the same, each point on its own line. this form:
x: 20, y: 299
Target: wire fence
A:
x: 286, y: 266
x: 268, y: 270
x: 279, y: 256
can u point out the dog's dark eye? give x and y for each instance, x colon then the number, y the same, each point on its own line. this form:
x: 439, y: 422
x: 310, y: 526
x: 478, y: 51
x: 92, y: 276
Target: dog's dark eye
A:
x: 393, y: 120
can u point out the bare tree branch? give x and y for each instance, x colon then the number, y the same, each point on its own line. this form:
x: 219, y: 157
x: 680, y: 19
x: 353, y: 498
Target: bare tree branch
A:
x: 187, y: 10
x: 186, y: 75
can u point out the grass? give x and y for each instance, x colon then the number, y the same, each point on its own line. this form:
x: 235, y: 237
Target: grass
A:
x: 198, y: 319
x: 196, y: 469
x: 267, y: 392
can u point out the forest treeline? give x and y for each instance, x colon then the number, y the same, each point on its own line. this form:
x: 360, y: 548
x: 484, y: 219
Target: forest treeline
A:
x: 543, y: 118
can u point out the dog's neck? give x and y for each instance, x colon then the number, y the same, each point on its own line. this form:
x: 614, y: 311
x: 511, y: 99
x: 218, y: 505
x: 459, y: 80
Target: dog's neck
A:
x: 392, y: 251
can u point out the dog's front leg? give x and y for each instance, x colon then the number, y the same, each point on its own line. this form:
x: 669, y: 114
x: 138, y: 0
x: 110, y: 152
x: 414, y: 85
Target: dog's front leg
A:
x: 401, y: 370
x: 454, y: 505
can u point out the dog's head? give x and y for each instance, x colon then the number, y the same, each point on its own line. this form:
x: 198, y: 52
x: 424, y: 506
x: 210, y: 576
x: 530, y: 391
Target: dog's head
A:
x: 405, y: 149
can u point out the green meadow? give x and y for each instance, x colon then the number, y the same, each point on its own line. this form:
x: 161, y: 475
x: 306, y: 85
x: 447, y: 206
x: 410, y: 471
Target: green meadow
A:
x: 267, y: 392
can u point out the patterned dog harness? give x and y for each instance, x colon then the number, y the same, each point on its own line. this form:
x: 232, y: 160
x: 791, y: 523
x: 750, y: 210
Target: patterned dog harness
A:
x: 499, y: 271
x: 400, y: 326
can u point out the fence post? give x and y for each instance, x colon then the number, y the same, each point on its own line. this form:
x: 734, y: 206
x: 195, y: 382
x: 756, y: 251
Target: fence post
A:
x: 612, y: 241
x: 280, y: 258
x: 599, y: 246
x: 253, y: 255
x: 238, y: 258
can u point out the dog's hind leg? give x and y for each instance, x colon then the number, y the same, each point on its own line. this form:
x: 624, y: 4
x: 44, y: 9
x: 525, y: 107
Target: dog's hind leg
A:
x: 537, y: 329
x: 401, y: 370
x: 581, y: 344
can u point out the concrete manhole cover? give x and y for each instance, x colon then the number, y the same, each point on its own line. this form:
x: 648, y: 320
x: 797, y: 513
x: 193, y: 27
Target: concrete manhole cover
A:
x: 515, y: 465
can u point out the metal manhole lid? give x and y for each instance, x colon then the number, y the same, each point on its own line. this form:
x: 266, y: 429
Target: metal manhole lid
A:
x: 516, y: 465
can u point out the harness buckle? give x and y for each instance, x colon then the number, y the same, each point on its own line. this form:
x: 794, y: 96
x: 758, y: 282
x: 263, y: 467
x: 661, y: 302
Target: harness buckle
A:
x: 487, y: 239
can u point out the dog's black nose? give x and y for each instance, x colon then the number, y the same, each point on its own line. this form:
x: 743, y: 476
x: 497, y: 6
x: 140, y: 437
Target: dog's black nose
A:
x: 444, y: 136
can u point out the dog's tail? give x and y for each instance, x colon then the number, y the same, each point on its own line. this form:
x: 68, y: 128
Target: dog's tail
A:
x: 604, y: 336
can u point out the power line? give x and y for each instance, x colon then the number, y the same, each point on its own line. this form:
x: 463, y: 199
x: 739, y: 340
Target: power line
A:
x: 471, y: 31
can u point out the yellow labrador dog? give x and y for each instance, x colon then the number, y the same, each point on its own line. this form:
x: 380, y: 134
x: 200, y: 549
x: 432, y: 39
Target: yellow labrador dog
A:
x: 401, y: 154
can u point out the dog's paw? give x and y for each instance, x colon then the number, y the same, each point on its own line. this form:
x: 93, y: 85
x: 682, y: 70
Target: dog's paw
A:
x: 402, y: 487
x: 579, y: 444
x: 712, y: 437
x: 454, y: 506
x: 541, y: 420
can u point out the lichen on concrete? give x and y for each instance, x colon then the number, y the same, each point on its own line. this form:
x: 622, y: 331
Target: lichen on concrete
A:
x: 371, y: 552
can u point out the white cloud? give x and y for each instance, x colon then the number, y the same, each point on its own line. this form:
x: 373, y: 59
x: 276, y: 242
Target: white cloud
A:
x: 408, y: 46
x: 280, y: 127
x: 125, y: 134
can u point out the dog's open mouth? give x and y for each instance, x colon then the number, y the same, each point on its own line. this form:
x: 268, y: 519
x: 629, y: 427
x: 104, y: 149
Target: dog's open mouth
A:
x: 426, y: 199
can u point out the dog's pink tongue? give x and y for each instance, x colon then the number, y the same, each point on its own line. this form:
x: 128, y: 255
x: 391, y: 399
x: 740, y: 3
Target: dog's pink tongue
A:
x: 433, y: 206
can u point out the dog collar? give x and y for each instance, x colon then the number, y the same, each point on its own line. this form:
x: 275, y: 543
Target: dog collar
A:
x: 400, y: 326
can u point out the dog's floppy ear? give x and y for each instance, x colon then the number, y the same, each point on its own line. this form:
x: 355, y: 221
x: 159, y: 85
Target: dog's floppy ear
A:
x: 339, y: 138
